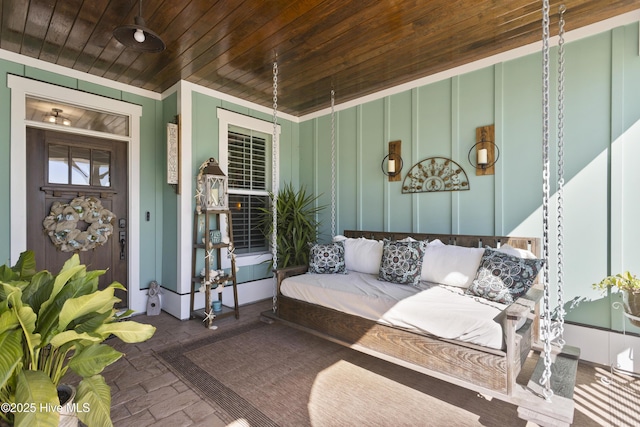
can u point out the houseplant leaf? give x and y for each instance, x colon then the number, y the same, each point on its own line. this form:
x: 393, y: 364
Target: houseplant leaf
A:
x: 8, y: 320
x: 81, y: 284
x: 7, y: 275
x: 50, y: 309
x: 65, y: 337
x: 38, y: 290
x: 27, y: 319
x: 296, y: 222
x: 90, y: 321
x: 35, y: 388
x: 26, y: 265
x: 99, y: 301
x: 94, y: 394
x: 11, y: 354
x: 128, y: 331
x: 69, y: 269
x: 93, y: 359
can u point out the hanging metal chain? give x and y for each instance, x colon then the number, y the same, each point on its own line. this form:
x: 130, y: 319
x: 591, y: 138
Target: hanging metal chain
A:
x: 560, y: 312
x: 333, y: 165
x: 274, y: 187
x: 545, y: 380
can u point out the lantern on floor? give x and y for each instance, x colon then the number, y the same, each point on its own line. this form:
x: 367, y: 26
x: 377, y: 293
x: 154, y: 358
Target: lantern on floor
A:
x: 213, y: 187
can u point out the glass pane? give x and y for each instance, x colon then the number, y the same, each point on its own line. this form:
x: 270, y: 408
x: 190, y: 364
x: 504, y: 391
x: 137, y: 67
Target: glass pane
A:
x: 247, y: 237
x: 80, y: 166
x: 58, y: 164
x: 101, y: 169
x: 67, y: 115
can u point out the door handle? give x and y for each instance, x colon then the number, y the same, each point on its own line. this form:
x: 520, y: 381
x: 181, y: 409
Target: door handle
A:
x: 123, y: 243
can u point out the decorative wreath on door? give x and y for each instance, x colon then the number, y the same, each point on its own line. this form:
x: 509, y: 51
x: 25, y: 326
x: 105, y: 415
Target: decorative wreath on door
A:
x: 62, y: 224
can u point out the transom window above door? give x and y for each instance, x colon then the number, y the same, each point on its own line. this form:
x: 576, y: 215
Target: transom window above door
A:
x: 71, y: 165
x: 66, y: 115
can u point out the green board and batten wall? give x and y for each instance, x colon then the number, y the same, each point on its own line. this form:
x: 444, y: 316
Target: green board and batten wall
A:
x: 602, y: 149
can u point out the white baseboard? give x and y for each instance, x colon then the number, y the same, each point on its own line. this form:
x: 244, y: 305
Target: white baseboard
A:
x: 608, y: 348
x: 178, y: 305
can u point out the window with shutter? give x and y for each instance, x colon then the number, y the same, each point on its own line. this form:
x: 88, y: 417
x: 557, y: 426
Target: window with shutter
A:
x: 246, y: 157
x: 249, y: 175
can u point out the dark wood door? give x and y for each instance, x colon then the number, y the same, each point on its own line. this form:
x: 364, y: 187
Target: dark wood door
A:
x: 64, y: 167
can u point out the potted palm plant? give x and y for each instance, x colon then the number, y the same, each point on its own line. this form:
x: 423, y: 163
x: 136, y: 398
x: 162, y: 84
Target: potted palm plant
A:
x: 52, y: 323
x: 297, y: 224
x: 629, y: 285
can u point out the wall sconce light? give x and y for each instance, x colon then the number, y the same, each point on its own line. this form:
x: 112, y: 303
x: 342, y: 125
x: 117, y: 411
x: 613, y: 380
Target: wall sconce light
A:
x: 55, y: 118
x: 392, y: 162
x: 485, y: 151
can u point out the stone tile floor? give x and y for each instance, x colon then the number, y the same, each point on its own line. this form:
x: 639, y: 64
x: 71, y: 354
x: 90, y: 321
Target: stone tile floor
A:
x: 145, y: 392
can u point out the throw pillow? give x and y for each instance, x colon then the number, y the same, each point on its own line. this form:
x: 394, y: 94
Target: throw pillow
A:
x: 520, y: 253
x: 450, y: 265
x: 402, y: 262
x: 327, y: 258
x: 504, y: 278
x: 363, y: 255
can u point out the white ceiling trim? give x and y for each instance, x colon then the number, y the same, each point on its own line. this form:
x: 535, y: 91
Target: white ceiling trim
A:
x: 69, y: 72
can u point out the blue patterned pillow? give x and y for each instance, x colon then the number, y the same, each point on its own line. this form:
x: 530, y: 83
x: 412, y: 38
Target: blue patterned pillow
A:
x: 504, y: 278
x: 327, y: 258
x: 402, y: 262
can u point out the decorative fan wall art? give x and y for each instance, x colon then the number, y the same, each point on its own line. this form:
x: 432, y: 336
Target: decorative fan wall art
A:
x: 435, y: 174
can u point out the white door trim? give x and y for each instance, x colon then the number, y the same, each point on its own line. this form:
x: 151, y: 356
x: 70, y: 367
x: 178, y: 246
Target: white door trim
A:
x: 21, y: 88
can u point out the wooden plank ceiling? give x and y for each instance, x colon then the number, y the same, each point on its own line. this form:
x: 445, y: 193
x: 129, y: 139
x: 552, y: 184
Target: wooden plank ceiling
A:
x: 356, y: 47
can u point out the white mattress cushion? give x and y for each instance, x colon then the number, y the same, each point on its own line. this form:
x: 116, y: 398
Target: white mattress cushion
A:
x: 443, y: 311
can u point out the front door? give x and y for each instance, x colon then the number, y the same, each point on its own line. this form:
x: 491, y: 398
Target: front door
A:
x: 91, y: 171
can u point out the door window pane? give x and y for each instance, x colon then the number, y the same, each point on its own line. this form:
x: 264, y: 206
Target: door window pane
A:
x: 101, y: 169
x: 58, y: 164
x: 85, y: 166
x: 80, y: 166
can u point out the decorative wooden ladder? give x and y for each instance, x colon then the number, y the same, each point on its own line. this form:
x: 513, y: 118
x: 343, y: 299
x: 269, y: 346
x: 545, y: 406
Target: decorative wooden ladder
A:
x: 196, y: 280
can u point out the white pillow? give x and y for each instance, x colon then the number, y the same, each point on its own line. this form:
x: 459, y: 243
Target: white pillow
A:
x: 520, y: 253
x: 450, y: 265
x: 363, y: 255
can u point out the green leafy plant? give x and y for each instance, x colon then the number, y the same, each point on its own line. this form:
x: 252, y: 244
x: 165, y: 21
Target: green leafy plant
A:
x: 296, y: 222
x: 49, y: 324
x: 622, y: 281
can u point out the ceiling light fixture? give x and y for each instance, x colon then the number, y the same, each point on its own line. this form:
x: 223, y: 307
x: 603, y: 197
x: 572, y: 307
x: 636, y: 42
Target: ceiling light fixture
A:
x: 55, y: 118
x: 138, y: 36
